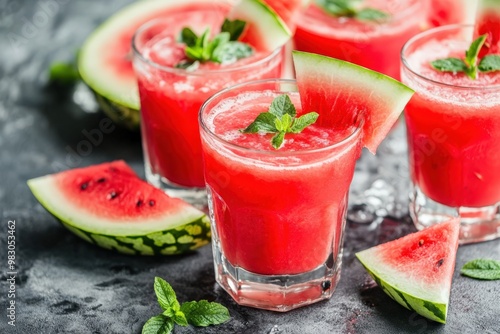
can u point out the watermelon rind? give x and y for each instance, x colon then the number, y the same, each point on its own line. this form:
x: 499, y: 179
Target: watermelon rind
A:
x: 320, y: 73
x: 172, y: 233
x: 264, y: 22
x: 407, y: 287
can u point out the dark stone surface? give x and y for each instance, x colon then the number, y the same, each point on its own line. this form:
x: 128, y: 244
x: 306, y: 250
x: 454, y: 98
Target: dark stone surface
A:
x: 65, y: 285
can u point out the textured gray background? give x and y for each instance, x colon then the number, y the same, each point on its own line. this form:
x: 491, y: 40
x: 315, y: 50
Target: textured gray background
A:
x: 68, y: 286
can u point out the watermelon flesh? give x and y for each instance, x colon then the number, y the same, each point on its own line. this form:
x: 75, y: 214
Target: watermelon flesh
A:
x: 345, y: 94
x: 417, y: 269
x: 488, y: 22
x: 444, y: 12
x: 109, y: 205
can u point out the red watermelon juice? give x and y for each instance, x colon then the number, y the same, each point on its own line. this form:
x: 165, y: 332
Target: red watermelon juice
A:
x: 171, y: 97
x: 277, y: 215
x: 374, y: 44
x: 453, y: 125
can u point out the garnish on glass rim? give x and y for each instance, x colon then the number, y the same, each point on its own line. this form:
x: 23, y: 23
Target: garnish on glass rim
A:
x: 223, y: 48
x: 280, y: 119
x: 197, y: 313
x: 350, y: 8
x: 469, y: 65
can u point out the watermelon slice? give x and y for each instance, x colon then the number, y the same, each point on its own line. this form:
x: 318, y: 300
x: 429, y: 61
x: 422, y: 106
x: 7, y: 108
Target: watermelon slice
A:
x: 343, y: 93
x: 288, y: 10
x: 110, y: 206
x: 417, y: 269
x: 444, y: 12
x: 265, y: 30
x: 488, y: 22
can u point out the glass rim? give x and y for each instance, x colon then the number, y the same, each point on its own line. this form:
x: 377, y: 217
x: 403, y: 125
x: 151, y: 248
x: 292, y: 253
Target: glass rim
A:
x: 357, y: 131
x: 137, y: 53
x: 432, y: 31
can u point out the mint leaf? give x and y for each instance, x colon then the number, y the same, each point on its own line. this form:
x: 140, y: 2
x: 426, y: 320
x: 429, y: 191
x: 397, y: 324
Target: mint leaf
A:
x: 484, y: 269
x: 200, y: 313
x: 188, y: 37
x: 280, y: 119
x: 282, y: 105
x: 351, y: 8
x: 304, y: 121
x: 489, y: 63
x: 204, y: 313
x: 158, y: 325
x: 234, y: 28
x: 449, y: 65
x: 263, y: 123
x: 230, y: 52
x: 63, y: 73
x: 370, y: 14
x: 223, y: 48
x: 278, y: 139
x: 472, y: 54
x: 284, y: 123
x: 166, y: 295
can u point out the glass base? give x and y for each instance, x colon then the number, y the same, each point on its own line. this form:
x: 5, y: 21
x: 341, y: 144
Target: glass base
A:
x: 476, y: 224
x: 276, y: 292
x: 193, y: 195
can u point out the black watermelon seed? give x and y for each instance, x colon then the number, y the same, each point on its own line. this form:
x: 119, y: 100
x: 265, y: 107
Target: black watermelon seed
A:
x: 84, y: 186
x: 439, y: 263
x: 152, y: 202
x: 112, y: 195
x: 101, y: 180
x: 139, y: 203
x: 326, y: 285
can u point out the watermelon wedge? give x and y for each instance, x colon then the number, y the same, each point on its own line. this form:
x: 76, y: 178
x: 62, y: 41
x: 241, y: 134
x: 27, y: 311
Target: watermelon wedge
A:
x: 488, y: 22
x: 444, y: 12
x: 417, y: 269
x: 265, y: 29
x: 110, y: 206
x: 343, y: 93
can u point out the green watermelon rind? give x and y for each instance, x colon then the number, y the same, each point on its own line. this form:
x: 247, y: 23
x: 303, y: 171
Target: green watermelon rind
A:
x: 393, y: 284
x: 394, y: 94
x: 273, y: 30
x: 165, y: 235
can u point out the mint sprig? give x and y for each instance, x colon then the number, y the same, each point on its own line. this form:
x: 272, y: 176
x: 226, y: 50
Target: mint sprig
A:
x: 484, y: 269
x: 196, y: 313
x: 223, y: 48
x: 351, y: 8
x: 280, y: 119
x: 469, y: 65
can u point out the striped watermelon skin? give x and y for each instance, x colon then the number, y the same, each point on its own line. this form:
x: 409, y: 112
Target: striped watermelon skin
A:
x: 417, y: 270
x: 184, y: 239
x: 108, y: 205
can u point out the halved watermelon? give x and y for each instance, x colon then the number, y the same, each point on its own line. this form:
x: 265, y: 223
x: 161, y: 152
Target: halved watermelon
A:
x: 488, y: 22
x: 110, y: 206
x: 342, y: 93
x: 444, y: 12
x: 417, y: 269
x: 265, y: 29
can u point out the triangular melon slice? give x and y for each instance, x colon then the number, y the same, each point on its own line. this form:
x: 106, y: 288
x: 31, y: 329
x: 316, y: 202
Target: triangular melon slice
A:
x: 265, y: 30
x: 488, y: 22
x: 417, y: 269
x: 343, y: 93
x: 108, y: 205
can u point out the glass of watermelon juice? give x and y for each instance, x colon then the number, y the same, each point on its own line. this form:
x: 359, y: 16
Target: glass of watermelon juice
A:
x: 374, y: 44
x: 278, y: 216
x: 453, y: 127
x: 171, y: 97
